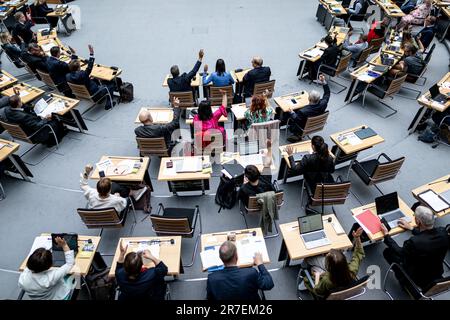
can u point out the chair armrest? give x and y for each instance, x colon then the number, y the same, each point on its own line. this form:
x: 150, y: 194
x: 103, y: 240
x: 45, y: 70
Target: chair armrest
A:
x: 308, y: 276
x: 44, y: 126
x: 407, y: 277
x: 160, y: 207
x: 196, y: 214
x: 384, y: 155
x: 356, y: 163
x: 443, y: 119
x: 275, y: 186
x: 21, y: 294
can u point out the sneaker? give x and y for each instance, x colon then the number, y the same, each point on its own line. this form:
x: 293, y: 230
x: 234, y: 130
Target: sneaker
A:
x: 293, y: 139
x: 137, y: 194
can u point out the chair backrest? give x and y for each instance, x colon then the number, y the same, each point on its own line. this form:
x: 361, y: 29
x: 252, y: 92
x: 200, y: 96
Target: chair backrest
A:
x: 216, y: 97
x: 152, y: 147
x: 254, y: 206
x: 375, y: 44
x: 332, y: 193
x: 171, y: 225
x: 395, y: 85
x: 429, y: 54
x: 80, y: 91
x: 364, y: 55
x: 46, y: 78
x: 28, y: 68
x: 440, y: 286
x: 358, y: 288
x: 343, y: 64
x: 263, y: 86
x: 100, y: 218
x: 264, y: 130
x: 315, y: 124
x: 386, y: 171
x: 186, y: 98
x: 16, y: 132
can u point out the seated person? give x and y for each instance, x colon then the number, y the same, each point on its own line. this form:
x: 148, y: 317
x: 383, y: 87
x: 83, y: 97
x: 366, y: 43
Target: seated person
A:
x: 107, y: 194
x: 332, y: 271
x: 358, y: 7
x: 316, y: 107
x: 329, y: 57
x: 22, y: 29
x: 233, y: 283
x: 206, y: 120
x: 137, y: 281
x: 423, y: 254
x: 378, y: 29
x: 253, y: 184
x: 11, y: 48
x: 156, y: 130
x: 181, y: 83
x: 82, y: 77
x: 220, y: 77
x: 41, y: 9
x: 17, y: 113
x: 409, y: 5
x: 426, y: 34
x: 417, y: 16
x: 256, y: 75
x: 259, y: 110
x: 408, y: 39
x: 356, y: 48
x: 412, y: 63
x: 42, y: 282
x: 316, y: 167
x: 35, y: 58
x: 59, y: 69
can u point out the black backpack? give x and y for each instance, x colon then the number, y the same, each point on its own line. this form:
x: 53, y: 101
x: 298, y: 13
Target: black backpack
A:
x: 101, y: 286
x: 126, y: 92
x: 226, y: 194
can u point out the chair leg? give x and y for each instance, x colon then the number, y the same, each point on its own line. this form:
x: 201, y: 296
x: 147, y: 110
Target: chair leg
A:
x: 416, y: 92
x: 446, y: 264
x: 197, y: 240
x: 384, y: 284
x: 134, y: 217
x: 388, y: 106
x: 378, y: 189
x: 2, y: 192
x: 275, y: 234
x: 338, y: 84
x: 245, y: 220
x: 301, y: 193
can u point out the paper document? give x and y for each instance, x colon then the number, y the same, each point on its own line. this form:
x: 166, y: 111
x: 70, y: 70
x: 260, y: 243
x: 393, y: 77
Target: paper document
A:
x: 4, y: 79
x: 102, y: 166
x: 46, y: 47
x: 210, y: 258
x: 161, y: 116
x: 239, y: 111
x: 365, y: 77
x: 349, y: 138
x: 434, y: 201
x: 446, y: 85
x: 247, y: 247
x: 188, y: 164
x: 154, y: 248
x: 41, y: 242
x: 254, y: 159
x: 24, y: 93
x: 42, y: 109
x: 315, y: 52
x: 122, y: 168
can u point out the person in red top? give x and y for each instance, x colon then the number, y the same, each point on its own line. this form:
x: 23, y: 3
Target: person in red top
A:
x: 378, y: 29
x: 207, y: 120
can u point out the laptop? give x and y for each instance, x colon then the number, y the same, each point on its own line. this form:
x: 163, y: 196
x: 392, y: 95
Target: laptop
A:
x: 436, y: 95
x: 365, y: 133
x: 58, y: 252
x: 311, y: 231
x: 299, y: 155
x: 247, y: 148
x: 380, y: 69
x: 387, y: 60
x: 388, y: 208
x: 188, y: 164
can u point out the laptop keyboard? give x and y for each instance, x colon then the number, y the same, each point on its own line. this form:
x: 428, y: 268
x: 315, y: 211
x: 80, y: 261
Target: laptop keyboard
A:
x: 394, y: 215
x: 314, y: 236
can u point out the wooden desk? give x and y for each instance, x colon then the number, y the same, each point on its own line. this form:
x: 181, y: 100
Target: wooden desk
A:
x: 379, y: 235
x: 293, y: 247
x: 239, y: 76
x: 82, y: 265
x: 102, y: 72
x: 333, y: 7
x: 214, y: 109
x: 239, y: 110
x: 29, y: 93
x: 160, y: 115
x: 390, y: 8
x: 52, y: 35
x: 285, y: 103
x: 170, y: 254
x: 303, y: 146
x: 58, y: 13
x: 129, y: 178
x: 7, y: 152
x: 216, y: 239
x: 439, y: 185
x: 236, y: 156
x: 6, y: 80
x: 47, y: 44
x: 350, y: 149
x: 195, y: 82
x: 178, y: 181
x: 426, y: 102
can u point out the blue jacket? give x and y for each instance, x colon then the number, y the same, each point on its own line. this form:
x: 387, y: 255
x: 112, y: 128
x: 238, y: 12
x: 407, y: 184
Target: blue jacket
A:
x: 218, y: 80
x: 427, y: 35
x: 58, y: 69
x: 233, y: 283
x: 82, y: 77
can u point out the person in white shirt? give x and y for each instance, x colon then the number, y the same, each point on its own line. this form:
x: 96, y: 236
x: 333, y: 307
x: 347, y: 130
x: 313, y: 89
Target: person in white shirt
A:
x: 42, y: 282
x: 356, y: 48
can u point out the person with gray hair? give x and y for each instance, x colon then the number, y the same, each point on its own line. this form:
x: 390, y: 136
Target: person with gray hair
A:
x: 234, y: 283
x: 256, y: 75
x: 316, y: 107
x: 423, y: 254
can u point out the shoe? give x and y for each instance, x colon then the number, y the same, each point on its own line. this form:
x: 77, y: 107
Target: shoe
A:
x: 109, y: 107
x: 293, y: 139
x: 137, y: 194
x: 301, y: 286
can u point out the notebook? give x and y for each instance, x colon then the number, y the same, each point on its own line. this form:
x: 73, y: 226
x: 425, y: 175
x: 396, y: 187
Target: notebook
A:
x: 434, y: 201
x: 368, y: 221
x: 233, y: 170
x: 365, y: 133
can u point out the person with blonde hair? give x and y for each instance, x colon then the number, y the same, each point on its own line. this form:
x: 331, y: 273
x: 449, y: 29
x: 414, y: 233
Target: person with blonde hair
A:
x: 11, y: 48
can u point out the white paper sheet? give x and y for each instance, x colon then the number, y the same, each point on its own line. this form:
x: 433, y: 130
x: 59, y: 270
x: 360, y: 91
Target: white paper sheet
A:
x: 210, y: 258
x: 247, y: 247
x: 349, y: 138
x: 239, y: 111
x: 24, y: 93
x: 154, y: 248
x: 41, y: 242
x: 315, y: 52
x: 102, y: 166
x: 254, y: 159
x: 434, y: 201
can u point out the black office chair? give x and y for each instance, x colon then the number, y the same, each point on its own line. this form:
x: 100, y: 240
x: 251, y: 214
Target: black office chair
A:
x: 37, y: 20
x: 334, y: 71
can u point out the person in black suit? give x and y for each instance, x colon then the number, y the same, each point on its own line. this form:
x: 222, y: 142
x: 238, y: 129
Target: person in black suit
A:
x: 316, y: 107
x: 256, y: 75
x: 180, y: 83
x: 41, y: 9
x: 82, y: 77
x: 59, y: 69
x: 316, y: 167
x: 423, y: 254
x: 13, y: 50
x: 329, y: 57
x: 16, y: 113
x: 234, y: 283
x: 35, y: 58
x: 22, y: 29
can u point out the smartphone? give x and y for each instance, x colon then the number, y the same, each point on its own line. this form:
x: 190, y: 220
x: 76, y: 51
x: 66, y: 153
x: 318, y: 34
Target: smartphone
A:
x: 294, y: 101
x: 169, y: 164
x: 386, y: 224
x: 101, y: 173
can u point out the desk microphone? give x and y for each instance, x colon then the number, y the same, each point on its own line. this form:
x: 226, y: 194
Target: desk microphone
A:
x: 172, y: 241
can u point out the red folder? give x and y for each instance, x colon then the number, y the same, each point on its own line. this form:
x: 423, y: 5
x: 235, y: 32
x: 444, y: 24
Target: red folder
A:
x: 369, y: 221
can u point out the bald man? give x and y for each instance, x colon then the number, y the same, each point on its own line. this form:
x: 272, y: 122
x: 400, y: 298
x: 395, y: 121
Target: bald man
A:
x: 256, y: 75
x: 149, y: 129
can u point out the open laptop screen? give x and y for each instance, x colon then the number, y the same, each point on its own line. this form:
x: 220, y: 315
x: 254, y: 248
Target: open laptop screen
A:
x: 386, y: 203
x: 310, y: 223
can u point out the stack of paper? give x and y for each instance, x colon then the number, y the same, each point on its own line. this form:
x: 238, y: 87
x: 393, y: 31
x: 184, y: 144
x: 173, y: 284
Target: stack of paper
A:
x: 46, y: 47
x: 41, y: 242
x: 154, y: 248
x: 239, y: 110
x: 102, y: 166
x: 4, y: 79
x: 122, y: 168
x: 42, y: 109
x: 312, y: 53
x: 247, y: 247
x: 254, y: 159
x: 160, y: 116
x: 349, y: 138
x: 210, y: 257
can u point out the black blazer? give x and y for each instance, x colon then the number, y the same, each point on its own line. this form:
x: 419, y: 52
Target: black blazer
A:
x: 58, y: 69
x: 24, y: 31
x: 29, y: 122
x: 256, y: 75
x: 312, y: 110
x: 247, y: 190
x: 41, y: 10
x: 313, y: 169
x: 82, y: 77
x: 423, y: 254
x: 160, y: 130
x: 35, y: 62
x: 183, y: 82
x: 233, y: 283
x: 330, y: 56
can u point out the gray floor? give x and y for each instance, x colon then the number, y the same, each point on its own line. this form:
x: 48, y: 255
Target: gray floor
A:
x: 145, y: 38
